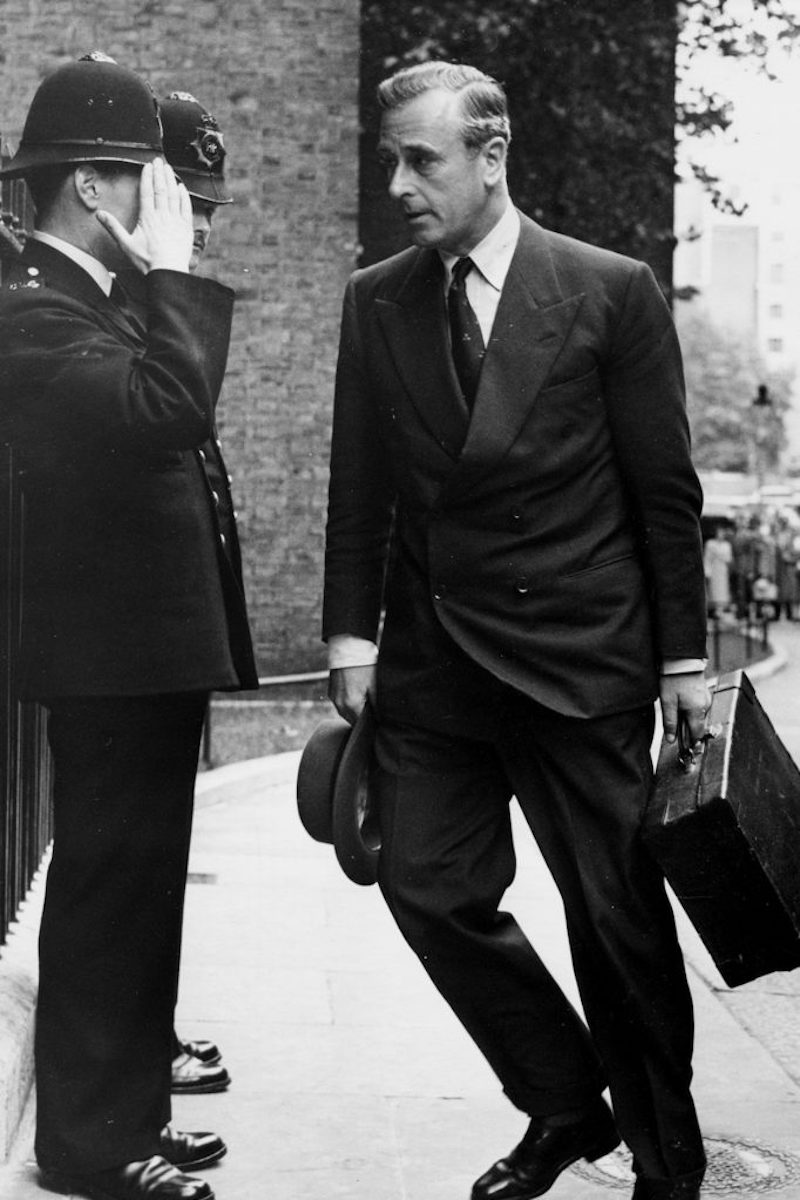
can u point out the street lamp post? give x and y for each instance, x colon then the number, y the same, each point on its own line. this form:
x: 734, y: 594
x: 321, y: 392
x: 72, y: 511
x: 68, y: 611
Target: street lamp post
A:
x: 762, y: 407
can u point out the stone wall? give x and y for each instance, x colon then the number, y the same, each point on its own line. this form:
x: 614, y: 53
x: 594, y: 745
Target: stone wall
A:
x: 281, y: 76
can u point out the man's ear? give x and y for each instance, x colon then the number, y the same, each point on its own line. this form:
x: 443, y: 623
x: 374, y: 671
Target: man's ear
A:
x: 87, y: 182
x: 495, y: 153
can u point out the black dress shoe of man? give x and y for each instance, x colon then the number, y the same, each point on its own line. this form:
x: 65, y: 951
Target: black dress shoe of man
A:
x: 545, y: 1151
x: 666, y: 1189
x: 191, y: 1151
x: 207, y: 1052
x: 190, y: 1076
x: 152, y: 1179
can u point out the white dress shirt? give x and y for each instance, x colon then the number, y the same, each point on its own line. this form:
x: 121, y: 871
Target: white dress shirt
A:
x: 491, y: 259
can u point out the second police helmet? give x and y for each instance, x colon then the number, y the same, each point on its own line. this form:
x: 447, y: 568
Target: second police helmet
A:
x: 91, y: 110
x: 194, y: 148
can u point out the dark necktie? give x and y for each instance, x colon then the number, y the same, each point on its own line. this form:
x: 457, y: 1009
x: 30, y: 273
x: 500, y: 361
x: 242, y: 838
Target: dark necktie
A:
x: 465, y: 332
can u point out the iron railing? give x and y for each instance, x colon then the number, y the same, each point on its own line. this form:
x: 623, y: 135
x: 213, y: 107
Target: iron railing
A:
x: 25, y: 777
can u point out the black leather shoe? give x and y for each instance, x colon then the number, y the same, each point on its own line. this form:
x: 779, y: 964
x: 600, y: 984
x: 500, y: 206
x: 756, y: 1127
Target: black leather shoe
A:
x: 545, y: 1151
x: 666, y: 1189
x: 152, y: 1179
x: 193, y: 1077
x: 191, y: 1151
x: 207, y: 1052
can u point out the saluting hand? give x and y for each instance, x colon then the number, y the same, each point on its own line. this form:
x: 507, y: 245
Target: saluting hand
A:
x: 163, y: 235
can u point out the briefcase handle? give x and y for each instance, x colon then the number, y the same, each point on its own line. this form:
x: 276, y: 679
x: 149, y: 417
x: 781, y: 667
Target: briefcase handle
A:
x: 687, y: 755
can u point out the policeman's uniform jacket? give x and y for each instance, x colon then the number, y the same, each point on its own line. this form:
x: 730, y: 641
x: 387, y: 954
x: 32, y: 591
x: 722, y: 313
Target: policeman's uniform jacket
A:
x: 552, y: 536
x: 132, y: 581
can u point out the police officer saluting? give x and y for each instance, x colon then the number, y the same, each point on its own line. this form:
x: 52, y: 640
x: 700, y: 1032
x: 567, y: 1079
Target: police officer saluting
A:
x: 132, y: 612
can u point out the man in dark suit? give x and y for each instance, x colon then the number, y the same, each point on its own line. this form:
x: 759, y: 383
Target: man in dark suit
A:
x: 132, y: 612
x: 510, y: 478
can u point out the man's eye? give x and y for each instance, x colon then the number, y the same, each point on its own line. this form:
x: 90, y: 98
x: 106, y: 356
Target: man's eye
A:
x: 421, y: 162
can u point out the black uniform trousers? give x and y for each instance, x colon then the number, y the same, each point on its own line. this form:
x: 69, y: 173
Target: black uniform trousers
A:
x: 109, y: 946
x: 447, y: 858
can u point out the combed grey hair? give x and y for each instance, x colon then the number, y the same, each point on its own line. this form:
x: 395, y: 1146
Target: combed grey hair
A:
x: 483, y: 101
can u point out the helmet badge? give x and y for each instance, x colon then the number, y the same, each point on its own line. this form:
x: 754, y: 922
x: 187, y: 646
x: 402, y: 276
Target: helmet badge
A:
x: 208, y: 146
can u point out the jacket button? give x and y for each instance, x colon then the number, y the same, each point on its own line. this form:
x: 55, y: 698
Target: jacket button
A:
x: 439, y: 591
x: 522, y: 585
x: 223, y: 539
x: 216, y: 497
x: 202, y: 454
x: 516, y: 515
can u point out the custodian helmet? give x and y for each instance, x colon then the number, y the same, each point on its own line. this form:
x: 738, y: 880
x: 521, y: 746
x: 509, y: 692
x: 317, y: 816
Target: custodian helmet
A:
x: 92, y: 110
x: 193, y: 147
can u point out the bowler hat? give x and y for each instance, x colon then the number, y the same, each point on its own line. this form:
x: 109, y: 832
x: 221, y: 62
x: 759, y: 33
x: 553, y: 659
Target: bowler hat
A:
x: 336, y: 796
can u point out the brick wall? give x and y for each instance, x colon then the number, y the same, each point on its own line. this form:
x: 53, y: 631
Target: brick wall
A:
x: 281, y: 76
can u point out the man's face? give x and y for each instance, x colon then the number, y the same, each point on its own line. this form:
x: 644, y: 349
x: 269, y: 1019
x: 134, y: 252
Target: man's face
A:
x: 202, y: 216
x: 440, y: 184
x: 119, y: 195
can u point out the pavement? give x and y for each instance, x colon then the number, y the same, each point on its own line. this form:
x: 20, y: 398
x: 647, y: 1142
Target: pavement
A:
x: 351, y: 1080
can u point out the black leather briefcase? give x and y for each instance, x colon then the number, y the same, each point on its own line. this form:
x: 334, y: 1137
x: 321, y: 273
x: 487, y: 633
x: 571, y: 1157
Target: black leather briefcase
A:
x: 725, y: 829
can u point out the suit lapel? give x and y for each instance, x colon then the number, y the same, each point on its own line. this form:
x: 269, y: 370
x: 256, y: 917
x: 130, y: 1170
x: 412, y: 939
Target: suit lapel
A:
x: 533, y: 321
x: 414, y: 325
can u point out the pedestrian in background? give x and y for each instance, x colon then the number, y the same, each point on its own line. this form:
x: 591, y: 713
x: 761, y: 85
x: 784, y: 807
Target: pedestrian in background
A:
x: 787, y: 555
x: 717, y: 564
x: 744, y: 564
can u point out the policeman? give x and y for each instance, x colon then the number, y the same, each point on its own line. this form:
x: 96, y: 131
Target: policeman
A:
x: 194, y: 148
x: 132, y: 612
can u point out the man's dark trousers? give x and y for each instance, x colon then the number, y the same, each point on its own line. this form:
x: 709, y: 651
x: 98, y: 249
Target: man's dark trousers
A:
x: 446, y: 860
x: 124, y: 772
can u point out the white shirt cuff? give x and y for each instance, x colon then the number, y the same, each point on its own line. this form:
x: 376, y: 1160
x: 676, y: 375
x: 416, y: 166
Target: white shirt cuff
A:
x: 345, y: 650
x: 683, y: 666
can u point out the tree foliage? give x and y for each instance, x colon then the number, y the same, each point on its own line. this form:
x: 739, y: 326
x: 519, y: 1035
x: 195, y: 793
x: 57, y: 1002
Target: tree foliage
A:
x: 591, y: 90
x: 723, y: 373
x: 749, y: 29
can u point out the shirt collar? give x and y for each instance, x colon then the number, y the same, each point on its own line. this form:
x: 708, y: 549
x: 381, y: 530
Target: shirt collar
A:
x: 100, y: 274
x: 493, y: 255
